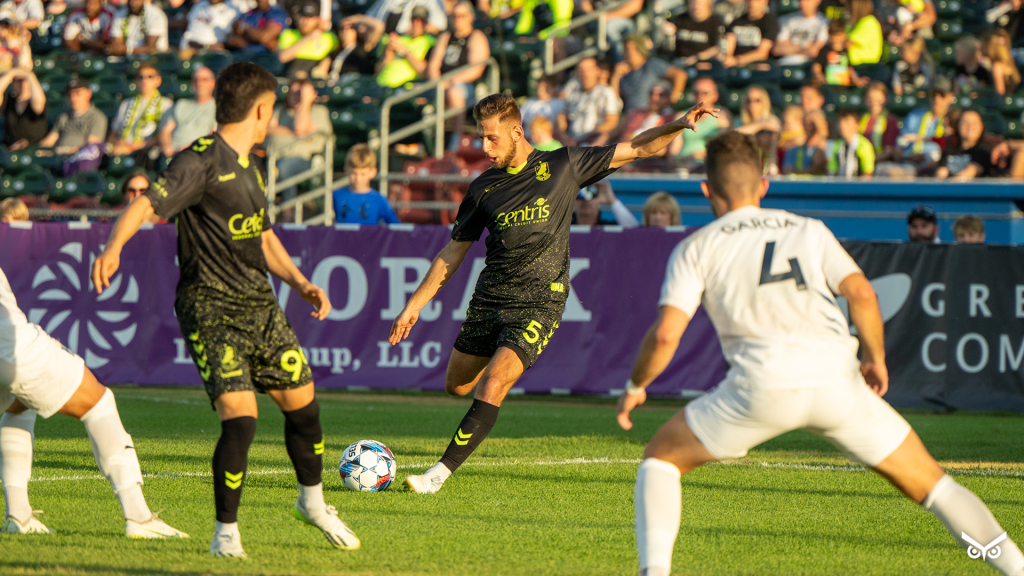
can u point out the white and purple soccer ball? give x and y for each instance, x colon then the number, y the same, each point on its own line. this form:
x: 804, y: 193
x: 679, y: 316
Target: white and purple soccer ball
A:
x: 367, y: 466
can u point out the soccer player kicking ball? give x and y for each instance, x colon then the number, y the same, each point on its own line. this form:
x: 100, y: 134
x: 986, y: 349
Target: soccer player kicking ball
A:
x: 40, y: 376
x: 767, y: 279
x: 525, y: 201
x: 237, y: 335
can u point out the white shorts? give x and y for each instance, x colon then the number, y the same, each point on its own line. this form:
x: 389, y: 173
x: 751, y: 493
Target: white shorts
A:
x: 730, y: 420
x: 44, y: 376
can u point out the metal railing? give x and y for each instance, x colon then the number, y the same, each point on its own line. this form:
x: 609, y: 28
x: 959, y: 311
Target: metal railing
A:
x: 602, y: 38
x: 435, y: 120
x: 326, y: 191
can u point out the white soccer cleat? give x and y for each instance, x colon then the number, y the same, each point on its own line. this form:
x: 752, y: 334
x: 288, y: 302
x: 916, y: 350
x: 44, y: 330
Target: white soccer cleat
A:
x: 337, y: 533
x: 227, y: 545
x: 424, y: 483
x: 30, y: 526
x: 154, y: 528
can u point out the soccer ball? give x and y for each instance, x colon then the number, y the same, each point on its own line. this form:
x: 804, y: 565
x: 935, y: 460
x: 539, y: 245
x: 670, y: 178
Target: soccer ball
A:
x: 367, y: 466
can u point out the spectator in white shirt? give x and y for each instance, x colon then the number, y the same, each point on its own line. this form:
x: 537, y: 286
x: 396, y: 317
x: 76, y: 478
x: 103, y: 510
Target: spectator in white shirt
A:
x: 139, y: 28
x: 88, y: 28
x: 397, y: 15
x: 28, y: 13
x: 209, y: 24
x: 190, y: 119
x: 801, y: 35
x: 591, y: 112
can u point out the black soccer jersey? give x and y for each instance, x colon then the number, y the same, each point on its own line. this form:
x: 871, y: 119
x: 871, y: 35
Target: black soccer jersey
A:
x: 221, y: 204
x: 528, y: 214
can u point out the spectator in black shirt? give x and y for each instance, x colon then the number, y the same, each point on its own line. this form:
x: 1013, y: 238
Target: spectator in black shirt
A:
x: 914, y: 70
x: 359, y: 38
x: 969, y: 73
x: 729, y: 10
x: 750, y: 37
x: 1005, y: 75
x: 24, y: 114
x: 973, y: 157
x: 1009, y: 15
x: 697, y: 34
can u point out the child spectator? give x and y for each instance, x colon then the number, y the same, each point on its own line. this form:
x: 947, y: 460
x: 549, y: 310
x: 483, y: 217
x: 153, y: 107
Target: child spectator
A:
x: 661, y: 211
x: 542, y: 134
x: 969, y: 230
x: 811, y: 158
x: 851, y: 155
x: 88, y: 28
x: 969, y: 73
x: 878, y: 125
x: 793, y: 132
x: 13, y: 210
x: 306, y: 47
x: 914, y: 70
x: 832, y: 66
x: 358, y: 203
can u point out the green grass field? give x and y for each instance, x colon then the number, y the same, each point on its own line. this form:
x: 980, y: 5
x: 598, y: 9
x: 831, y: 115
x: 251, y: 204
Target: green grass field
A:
x: 550, y: 492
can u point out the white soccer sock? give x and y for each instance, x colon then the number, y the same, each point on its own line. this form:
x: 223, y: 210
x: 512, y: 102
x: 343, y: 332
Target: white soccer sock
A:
x: 961, y: 512
x: 115, y: 455
x: 659, y: 504
x: 227, y: 528
x: 16, y: 461
x: 439, y: 470
x: 312, y: 496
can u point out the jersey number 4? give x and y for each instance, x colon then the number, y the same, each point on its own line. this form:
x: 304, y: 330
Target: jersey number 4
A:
x: 794, y: 272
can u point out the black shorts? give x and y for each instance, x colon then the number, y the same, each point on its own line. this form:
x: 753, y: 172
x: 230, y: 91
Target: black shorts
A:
x: 237, y: 349
x: 526, y: 331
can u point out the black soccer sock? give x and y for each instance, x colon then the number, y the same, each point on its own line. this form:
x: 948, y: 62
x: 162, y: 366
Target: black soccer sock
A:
x: 229, y: 463
x: 304, y: 439
x: 475, y: 426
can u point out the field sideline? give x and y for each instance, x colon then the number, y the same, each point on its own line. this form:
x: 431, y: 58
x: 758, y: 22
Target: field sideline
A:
x: 550, y: 492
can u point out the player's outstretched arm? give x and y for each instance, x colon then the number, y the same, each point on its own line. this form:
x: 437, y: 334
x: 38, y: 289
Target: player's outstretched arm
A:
x: 281, y: 265
x: 867, y: 319
x: 656, y: 351
x: 650, y: 142
x: 441, y: 270
x: 127, y: 225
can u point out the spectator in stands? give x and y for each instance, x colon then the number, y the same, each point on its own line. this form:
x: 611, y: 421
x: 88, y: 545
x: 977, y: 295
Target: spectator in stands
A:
x: 460, y: 46
x: 536, y: 17
x: 189, y: 120
x: 793, y: 133
x: 79, y: 132
x: 852, y: 155
x: 136, y: 184
x: 923, y: 17
x: 405, y: 57
x: 878, y: 126
x: 1008, y: 15
x: 257, y: 30
x: 546, y: 104
x: 801, y: 35
x: 893, y: 17
x: 750, y: 37
x: 15, y: 49
x: 729, y: 10
x: 305, y: 48
x: 972, y: 157
x: 661, y: 211
x: 588, y: 207
x: 811, y: 98
x: 13, y: 210
x: 88, y: 28
x: 359, y: 38
x: 619, y: 21
x: 658, y: 112
x: 689, y: 150
x: 923, y: 225
x: 591, y: 112
x: 914, y: 70
x: 28, y: 13
x: 359, y: 203
x: 698, y: 32
x: 134, y: 130
x: 832, y: 66
x: 543, y: 134
x: 1005, y: 76
x: 638, y: 72
x: 209, y: 23
x: 300, y: 118
x: 970, y: 74
x: 924, y: 130
x: 397, y: 16
x: 757, y: 120
x: 969, y: 230
x: 865, y: 34
x: 811, y: 158
x: 138, y: 28
x: 24, y: 112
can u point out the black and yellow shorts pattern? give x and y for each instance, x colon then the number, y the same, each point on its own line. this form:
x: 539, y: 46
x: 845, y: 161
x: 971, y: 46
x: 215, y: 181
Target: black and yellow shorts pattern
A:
x: 242, y: 349
x: 526, y: 331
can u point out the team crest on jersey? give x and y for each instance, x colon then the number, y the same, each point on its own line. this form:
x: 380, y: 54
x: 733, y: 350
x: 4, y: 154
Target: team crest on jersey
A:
x: 543, y: 171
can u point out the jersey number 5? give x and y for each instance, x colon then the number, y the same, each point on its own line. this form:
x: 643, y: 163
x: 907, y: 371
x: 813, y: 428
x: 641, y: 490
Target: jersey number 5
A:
x: 794, y: 270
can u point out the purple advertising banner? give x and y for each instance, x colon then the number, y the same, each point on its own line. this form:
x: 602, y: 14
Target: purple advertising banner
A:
x: 129, y: 333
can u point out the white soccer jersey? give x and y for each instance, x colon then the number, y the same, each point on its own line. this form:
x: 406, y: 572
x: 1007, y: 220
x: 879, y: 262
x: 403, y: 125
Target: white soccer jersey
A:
x: 209, y: 24
x: 16, y: 334
x: 766, y: 279
x: 97, y: 28
x: 134, y: 29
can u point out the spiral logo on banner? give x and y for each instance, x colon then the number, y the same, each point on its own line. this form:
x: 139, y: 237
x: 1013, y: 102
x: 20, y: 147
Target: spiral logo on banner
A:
x: 98, y: 327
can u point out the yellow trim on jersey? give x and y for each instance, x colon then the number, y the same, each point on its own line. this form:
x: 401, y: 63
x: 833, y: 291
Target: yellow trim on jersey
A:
x: 517, y: 169
x: 243, y: 161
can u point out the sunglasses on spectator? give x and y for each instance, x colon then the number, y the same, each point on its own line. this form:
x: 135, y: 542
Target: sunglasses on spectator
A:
x: 755, y: 100
x: 147, y: 76
x: 139, y: 190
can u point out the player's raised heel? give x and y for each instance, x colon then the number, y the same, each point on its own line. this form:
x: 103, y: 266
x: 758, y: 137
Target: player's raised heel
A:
x: 30, y: 526
x: 153, y: 529
x: 227, y: 545
x: 336, y: 532
x: 423, y: 484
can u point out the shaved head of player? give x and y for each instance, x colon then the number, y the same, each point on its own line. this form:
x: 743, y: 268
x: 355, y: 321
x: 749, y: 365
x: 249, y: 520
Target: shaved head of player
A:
x: 768, y: 280
x: 237, y: 335
x: 525, y: 203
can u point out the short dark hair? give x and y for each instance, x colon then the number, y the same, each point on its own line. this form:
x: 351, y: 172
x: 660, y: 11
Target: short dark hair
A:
x: 969, y: 224
x: 147, y: 66
x: 132, y: 175
x: 847, y: 113
x: 836, y: 27
x: 238, y: 87
x: 501, y: 105
x: 733, y: 164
